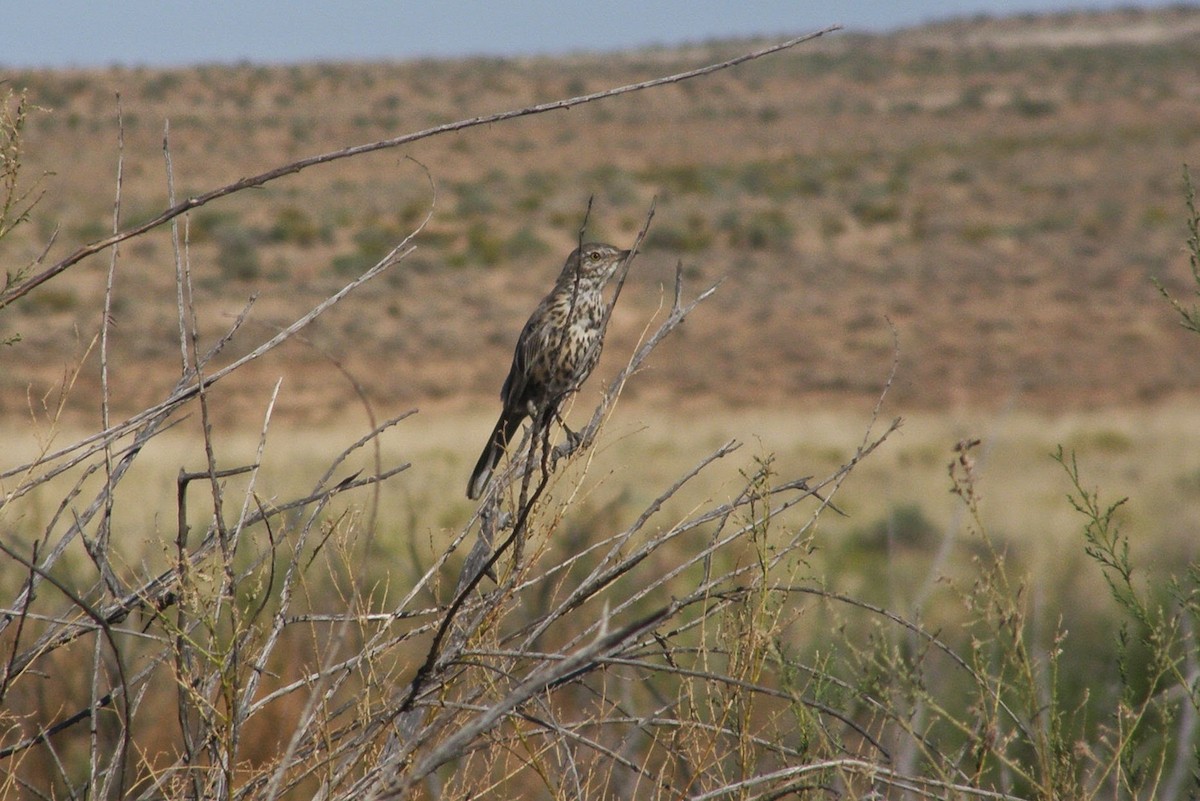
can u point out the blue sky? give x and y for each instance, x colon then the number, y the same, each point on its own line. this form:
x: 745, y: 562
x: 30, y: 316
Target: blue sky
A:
x: 62, y: 33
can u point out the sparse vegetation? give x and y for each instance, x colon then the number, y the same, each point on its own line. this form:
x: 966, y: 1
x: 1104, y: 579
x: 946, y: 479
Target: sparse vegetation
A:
x: 973, y: 177
x: 17, y: 197
x: 238, y: 253
x: 201, y: 607
x: 295, y: 225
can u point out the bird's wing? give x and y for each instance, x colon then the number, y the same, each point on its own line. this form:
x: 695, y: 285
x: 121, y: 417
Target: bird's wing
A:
x: 513, y: 391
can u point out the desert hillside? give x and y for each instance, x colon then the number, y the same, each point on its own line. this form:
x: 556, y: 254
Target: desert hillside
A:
x: 1002, y: 191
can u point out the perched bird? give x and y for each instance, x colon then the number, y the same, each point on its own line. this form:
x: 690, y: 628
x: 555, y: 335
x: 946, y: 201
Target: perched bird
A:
x: 557, y: 350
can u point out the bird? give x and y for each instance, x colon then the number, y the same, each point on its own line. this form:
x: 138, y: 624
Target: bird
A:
x: 557, y: 350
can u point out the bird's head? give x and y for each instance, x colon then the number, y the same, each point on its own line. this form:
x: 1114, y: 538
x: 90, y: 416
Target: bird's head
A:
x: 594, y: 261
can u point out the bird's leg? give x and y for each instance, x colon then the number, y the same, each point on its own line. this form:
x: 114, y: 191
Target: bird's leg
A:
x: 573, y: 437
x: 541, y: 440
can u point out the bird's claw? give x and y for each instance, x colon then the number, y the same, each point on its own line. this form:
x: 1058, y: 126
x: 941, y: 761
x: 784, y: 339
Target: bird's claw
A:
x: 574, y: 439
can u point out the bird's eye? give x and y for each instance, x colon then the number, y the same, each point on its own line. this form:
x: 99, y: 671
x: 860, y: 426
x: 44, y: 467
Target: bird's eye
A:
x: 594, y: 255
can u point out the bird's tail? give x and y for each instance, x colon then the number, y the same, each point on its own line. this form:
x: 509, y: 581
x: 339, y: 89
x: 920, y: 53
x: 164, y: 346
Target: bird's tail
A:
x: 502, y: 434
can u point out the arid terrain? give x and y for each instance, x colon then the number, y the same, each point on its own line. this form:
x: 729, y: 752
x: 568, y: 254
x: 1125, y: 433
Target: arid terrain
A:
x: 1002, y: 191
x: 274, y: 595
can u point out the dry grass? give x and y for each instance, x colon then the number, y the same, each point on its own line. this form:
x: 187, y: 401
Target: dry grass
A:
x: 1149, y: 454
x: 935, y: 565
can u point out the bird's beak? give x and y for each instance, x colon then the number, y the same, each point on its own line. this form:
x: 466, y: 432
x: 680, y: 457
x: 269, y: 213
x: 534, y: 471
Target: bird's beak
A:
x: 625, y: 254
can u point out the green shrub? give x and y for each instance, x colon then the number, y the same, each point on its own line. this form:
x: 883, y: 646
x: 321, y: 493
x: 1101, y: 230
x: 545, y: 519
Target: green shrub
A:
x: 203, y: 225
x: 524, y: 242
x: 876, y: 206
x: 49, y: 300
x: 483, y: 247
x: 693, y: 236
x: 237, y: 253
x: 905, y: 525
x: 371, y: 242
x: 1027, y: 106
x: 293, y: 225
x: 682, y: 179
x: 474, y: 199
x: 767, y: 229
